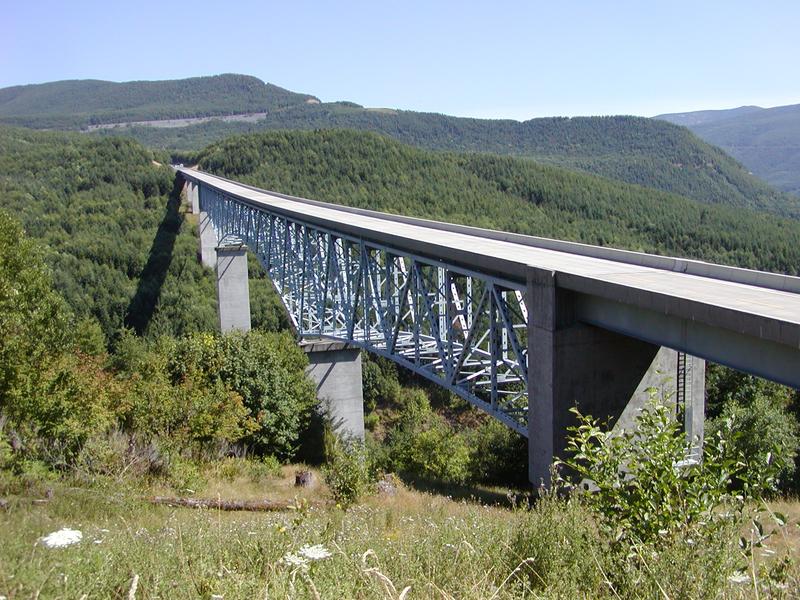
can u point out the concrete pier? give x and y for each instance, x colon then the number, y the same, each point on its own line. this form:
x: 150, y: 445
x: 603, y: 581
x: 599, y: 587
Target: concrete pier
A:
x: 604, y: 374
x: 208, y: 241
x: 193, y: 196
x: 335, y: 367
x: 233, y: 288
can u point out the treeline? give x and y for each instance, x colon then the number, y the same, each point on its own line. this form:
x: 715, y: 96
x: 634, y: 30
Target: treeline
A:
x: 646, y: 152
x: 79, y: 103
x: 370, y: 171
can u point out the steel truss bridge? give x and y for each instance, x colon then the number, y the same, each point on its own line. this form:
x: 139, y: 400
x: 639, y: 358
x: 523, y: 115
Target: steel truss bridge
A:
x: 463, y: 306
x: 464, y: 330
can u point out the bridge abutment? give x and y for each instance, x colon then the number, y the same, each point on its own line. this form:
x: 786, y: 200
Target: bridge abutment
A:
x: 602, y: 373
x: 335, y: 368
x: 233, y: 288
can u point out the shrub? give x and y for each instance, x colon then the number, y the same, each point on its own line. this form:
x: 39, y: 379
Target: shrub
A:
x: 430, y: 449
x: 767, y: 437
x: 266, y: 370
x: 254, y: 469
x: 498, y: 454
x: 349, y: 471
x: 267, y: 468
x: 644, y: 488
x: 184, y: 475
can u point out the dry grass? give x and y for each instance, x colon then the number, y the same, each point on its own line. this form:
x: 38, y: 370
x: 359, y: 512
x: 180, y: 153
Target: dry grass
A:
x: 407, y: 545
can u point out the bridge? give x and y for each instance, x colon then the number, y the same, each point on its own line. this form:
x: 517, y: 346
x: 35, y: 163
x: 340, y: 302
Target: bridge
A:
x: 522, y: 327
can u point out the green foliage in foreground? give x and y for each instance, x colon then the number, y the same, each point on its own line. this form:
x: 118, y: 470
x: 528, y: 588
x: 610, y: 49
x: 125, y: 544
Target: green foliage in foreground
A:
x: 645, y: 489
x: 425, y: 544
x: 191, y: 395
x: 369, y: 171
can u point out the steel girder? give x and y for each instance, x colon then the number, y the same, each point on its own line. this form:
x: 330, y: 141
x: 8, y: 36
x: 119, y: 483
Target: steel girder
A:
x: 464, y: 330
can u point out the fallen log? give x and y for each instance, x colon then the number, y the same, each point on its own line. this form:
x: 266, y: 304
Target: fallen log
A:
x: 254, y: 505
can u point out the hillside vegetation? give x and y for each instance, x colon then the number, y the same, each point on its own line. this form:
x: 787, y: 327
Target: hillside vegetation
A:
x: 120, y: 252
x: 370, y: 171
x: 765, y: 140
x: 78, y: 103
x: 630, y: 149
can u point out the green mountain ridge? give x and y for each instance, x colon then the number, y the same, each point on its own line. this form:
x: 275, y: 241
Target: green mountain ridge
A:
x: 765, y: 140
x: 629, y: 149
x: 74, y: 104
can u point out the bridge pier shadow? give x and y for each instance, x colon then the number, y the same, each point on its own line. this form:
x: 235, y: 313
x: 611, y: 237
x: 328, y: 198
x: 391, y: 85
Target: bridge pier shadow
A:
x: 151, y: 280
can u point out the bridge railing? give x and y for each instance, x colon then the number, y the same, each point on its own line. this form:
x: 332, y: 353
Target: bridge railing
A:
x: 464, y: 330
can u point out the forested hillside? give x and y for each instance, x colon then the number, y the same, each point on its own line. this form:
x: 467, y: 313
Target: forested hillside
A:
x: 108, y: 213
x: 78, y: 103
x: 630, y: 149
x: 370, y: 171
x: 765, y: 140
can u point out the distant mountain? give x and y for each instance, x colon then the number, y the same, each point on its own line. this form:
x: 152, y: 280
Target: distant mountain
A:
x: 635, y: 150
x: 702, y: 117
x: 80, y: 103
x: 765, y: 140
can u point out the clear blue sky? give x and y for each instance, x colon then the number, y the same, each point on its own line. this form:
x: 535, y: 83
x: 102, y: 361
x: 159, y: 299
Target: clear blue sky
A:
x: 485, y: 59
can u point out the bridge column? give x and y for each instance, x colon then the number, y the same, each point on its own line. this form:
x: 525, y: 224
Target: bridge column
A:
x: 233, y: 289
x: 208, y: 241
x: 194, y: 197
x: 336, y: 369
x: 604, y: 374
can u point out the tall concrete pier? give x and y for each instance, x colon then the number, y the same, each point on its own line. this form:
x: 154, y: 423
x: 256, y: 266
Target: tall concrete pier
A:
x: 208, y: 241
x: 233, y: 288
x: 335, y: 367
x: 602, y: 373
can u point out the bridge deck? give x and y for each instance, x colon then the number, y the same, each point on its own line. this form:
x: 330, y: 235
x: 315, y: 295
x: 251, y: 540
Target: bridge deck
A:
x: 727, y: 297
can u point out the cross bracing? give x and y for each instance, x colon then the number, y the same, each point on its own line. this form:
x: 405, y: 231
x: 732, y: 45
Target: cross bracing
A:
x: 464, y: 330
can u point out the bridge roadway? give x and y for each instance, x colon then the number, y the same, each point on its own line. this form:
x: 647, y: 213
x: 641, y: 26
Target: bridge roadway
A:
x: 749, y: 320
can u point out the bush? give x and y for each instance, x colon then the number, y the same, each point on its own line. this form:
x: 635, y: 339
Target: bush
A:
x: 266, y: 370
x: 498, y: 454
x: 184, y: 475
x: 758, y: 411
x: 645, y: 490
x: 256, y: 470
x: 766, y: 436
x: 349, y: 471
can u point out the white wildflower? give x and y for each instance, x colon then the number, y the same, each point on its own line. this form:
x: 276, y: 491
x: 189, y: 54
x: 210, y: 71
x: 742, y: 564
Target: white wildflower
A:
x: 62, y: 537
x: 316, y: 552
x: 293, y: 560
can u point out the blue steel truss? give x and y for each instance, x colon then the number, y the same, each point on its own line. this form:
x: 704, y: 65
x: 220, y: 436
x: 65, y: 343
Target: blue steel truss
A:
x: 462, y: 329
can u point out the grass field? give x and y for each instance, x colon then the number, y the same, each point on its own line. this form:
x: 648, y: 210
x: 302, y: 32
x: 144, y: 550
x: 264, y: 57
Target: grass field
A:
x: 410, y: 544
